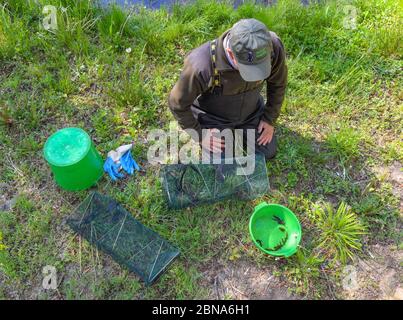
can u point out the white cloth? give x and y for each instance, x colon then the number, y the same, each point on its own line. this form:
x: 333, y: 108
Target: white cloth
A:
x: 119, y: 152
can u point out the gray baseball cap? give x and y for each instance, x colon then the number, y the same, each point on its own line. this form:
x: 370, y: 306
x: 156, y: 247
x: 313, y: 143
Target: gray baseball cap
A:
x: 250, y: 41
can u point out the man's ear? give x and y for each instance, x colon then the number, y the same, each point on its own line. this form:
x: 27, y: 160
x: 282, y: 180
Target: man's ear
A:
x: 231, y: 54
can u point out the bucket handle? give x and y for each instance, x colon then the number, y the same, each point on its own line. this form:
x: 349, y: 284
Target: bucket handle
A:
x: 261, y: 205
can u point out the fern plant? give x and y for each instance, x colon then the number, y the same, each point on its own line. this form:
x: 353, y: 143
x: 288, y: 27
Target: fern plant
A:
x: 341, y: 231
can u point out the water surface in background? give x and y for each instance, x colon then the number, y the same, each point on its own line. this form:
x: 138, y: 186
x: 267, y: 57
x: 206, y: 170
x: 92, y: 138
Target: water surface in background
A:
x: 155, y: 4
x: 152, y: 4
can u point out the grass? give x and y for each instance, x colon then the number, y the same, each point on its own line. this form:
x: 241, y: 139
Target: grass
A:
x: 110, y: 72
x: 340, y: 231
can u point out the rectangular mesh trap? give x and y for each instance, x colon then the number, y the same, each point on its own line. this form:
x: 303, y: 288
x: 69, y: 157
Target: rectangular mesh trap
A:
x: 188, y: 185
x: 111, y: 228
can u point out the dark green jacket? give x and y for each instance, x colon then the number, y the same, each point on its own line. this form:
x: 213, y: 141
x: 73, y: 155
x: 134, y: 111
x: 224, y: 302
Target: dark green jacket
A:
x: 196, y: 78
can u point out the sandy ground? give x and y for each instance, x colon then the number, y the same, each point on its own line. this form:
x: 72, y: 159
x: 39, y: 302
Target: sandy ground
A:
x: 245, y: 281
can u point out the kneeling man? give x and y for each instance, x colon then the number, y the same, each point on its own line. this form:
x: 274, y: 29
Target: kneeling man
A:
x: 221, y: 82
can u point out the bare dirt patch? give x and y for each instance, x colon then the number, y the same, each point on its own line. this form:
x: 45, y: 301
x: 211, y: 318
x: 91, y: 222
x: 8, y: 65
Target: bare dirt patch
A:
x: 396, y: 176
x: 379, y: 275
x: 243, y: 280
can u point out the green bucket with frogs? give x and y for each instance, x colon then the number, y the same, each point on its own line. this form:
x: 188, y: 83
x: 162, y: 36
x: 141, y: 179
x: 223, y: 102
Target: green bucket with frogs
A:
x: 275, y: 229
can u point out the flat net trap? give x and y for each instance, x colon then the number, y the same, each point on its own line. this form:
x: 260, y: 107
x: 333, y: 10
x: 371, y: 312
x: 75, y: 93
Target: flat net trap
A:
x: 112, y: 229
x: 188, y: 185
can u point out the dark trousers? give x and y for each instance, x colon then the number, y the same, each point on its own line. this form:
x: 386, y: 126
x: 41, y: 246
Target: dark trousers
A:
x: 210, y: 121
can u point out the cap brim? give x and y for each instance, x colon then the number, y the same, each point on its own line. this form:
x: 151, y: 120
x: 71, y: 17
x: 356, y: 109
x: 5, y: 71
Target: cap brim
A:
x: 255, y: 72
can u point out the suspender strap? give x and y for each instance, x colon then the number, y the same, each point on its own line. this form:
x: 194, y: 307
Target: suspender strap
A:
x: 213, y: 55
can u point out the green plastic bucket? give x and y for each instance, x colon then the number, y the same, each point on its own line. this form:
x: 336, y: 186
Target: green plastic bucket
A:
x: 73, y: 159
x: 275, y: 229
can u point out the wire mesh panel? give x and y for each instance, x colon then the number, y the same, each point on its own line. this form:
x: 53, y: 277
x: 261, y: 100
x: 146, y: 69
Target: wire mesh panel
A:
x: 110, y: 227
x: 192, y: 184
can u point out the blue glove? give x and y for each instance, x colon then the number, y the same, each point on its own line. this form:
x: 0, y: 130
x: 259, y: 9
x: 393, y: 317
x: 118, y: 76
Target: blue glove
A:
x: 112, y: 168
x: 128, y: 163
x: 121, y: 158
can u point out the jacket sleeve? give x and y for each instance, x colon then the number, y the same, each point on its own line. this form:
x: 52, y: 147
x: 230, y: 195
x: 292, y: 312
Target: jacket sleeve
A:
x: 276, y: 83
x: 189, y: 86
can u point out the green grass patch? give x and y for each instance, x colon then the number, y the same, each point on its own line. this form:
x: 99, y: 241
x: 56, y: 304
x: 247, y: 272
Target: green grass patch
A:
x: 110, y: 71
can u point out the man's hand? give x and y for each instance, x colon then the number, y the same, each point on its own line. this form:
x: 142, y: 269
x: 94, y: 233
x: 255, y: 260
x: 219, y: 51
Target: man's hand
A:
x: 212, y: 141
x: 266, y: 133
